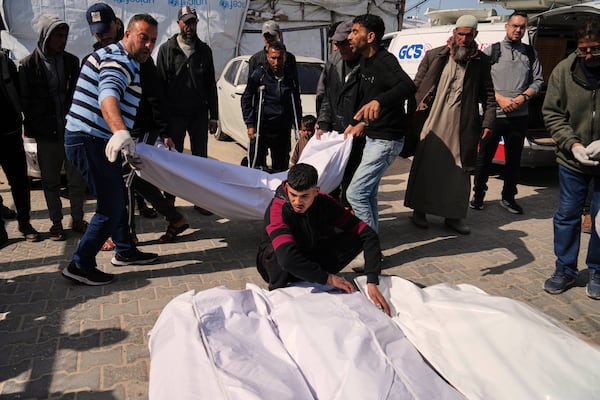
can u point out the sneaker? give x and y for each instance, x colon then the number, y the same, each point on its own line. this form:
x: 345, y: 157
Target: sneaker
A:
x: 458, y: 225
x: 476, y: 203
x: 31, y: 235
x: 80, y: 226
x: 133, y: 256
x: 57, y: 233
x: 593, y: 286
x: 419, y: 219
x: 511, y: 206
x: 93, y: 277
x: 7, y: 213
x: 559, y: 282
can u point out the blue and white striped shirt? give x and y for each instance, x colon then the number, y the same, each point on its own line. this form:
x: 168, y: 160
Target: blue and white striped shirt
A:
x: 107, y: 72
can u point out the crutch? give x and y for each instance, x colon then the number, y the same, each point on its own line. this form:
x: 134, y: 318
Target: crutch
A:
x: 252, y: 161
x: 295, y: 116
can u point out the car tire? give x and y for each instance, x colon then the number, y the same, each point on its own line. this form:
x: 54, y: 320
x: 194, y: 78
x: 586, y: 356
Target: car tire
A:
x: 222, y: 136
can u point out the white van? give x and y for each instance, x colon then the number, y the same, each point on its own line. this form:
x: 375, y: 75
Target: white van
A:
x: 410, y: 45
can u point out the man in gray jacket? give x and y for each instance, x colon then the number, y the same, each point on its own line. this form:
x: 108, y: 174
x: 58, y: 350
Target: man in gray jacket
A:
x: 517, y: 76
x: 569, y: 107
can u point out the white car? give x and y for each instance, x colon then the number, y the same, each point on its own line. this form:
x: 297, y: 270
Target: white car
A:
x: 231, y: 85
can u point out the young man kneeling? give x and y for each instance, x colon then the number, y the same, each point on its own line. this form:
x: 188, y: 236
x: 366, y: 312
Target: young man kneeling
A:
x: 310, y: 237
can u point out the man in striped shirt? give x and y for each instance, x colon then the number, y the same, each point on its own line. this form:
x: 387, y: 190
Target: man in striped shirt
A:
x: 102, y: 113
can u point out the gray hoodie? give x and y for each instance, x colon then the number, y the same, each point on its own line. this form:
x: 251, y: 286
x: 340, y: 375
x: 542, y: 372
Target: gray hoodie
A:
x: 55, y: 72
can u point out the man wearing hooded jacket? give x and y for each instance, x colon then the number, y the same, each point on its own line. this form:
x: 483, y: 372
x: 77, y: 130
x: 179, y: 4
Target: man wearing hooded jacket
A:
x: 48, y: 77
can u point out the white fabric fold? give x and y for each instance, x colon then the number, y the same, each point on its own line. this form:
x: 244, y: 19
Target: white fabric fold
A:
x: 233, y: 191
x: 492, y: 347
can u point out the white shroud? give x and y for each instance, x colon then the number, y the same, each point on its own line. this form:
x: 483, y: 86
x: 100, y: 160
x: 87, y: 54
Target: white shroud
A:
x: 233, y: 191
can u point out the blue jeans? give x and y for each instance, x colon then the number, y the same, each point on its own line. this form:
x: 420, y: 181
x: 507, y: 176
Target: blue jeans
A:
x: 377, y: 156
x: 105, y: 182
x: 567, y: 221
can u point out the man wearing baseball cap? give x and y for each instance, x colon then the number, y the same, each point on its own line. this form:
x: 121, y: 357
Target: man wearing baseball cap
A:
x: 103, y: 24
x: 185, y: 66
x: 272, y: 33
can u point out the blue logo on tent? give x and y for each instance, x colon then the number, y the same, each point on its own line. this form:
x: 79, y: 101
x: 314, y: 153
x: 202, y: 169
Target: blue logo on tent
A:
x: 181, y: 3
x: 230, y: 4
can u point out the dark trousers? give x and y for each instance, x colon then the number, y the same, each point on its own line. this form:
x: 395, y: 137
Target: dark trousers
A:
x: 196, y: 125
x: 332, y: 254
x: 12, y: 159
x: 513, y: 130
x: 156, y: 199
x: 279, y: 143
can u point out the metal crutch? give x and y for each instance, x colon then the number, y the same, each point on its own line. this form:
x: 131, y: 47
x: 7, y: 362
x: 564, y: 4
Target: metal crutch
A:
x: 251, y: 164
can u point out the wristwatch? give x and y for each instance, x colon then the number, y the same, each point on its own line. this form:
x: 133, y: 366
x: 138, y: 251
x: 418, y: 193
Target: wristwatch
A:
x: 525, y: 95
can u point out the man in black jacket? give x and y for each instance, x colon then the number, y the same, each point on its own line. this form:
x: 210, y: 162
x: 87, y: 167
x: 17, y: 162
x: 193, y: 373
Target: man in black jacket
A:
x: 185, y: 66
x: 280, y: 105
x: 340, y: 80
x: 12, y: 154
x: 48, y: 77
x: 383, y: 89
x: 300, y: 241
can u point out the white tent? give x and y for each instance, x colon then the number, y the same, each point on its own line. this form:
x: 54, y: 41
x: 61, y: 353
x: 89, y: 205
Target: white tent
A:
x: 230, y: 27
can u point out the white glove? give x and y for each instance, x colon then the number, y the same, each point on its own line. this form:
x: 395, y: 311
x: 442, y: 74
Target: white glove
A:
x: 120, y: 140
x: 593, y: 150
x: 581, y: 155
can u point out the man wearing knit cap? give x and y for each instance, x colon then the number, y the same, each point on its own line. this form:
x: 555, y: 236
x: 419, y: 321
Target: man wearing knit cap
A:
x: 452, y: 81
x: 48, y: 77
x: 272, y: 33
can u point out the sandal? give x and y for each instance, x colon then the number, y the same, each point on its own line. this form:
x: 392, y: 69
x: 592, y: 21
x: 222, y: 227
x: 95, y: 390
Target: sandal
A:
x: 172, y: 231
x: 109, y: 245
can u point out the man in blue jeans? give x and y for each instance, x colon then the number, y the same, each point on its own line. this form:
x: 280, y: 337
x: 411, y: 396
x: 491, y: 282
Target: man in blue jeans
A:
x: 569, y: 107
x: 102, y: 114
x: 383, y: 88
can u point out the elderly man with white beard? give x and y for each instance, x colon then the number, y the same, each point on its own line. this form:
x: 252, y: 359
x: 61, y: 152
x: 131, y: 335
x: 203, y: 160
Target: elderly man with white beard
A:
x: 452, y: 80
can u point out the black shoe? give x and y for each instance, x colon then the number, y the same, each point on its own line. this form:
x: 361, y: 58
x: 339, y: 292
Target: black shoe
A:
x: 7, y: 213
x: 57, y: 233
x: 476, y: 203
x: 457, y: 225
x: 133, y: 256
x: 3, y: 236
x: 31, y: 235
x: 202, y: 211
x: 419, y: 219
x: 511, y: 206
x: 146, y: 211
x: 559, y: 282
x: 593, y: 286
x: 93, y: 277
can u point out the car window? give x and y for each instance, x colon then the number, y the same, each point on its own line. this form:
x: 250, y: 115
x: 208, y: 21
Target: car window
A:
x: 308, y: 75
x: 243, y: 77
x: 232, y: 72
x: 385, y: 43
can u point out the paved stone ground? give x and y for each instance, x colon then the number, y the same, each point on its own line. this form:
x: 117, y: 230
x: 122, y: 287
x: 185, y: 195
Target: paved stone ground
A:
x: 63, y: 341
